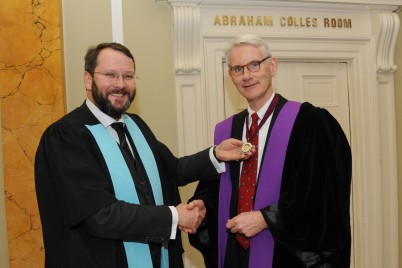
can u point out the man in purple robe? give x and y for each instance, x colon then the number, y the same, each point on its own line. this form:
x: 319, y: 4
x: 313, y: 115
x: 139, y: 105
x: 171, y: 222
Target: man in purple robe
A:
x: 298, y: 188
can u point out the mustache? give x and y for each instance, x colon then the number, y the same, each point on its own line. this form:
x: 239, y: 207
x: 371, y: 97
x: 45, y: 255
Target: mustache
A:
x: 118, y: 91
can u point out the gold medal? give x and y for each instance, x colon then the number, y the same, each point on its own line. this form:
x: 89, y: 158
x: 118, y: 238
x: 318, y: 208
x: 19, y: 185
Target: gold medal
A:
x: 246, y: 147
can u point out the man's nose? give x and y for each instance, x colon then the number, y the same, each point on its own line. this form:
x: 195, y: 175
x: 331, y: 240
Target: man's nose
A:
x: 246, y: 73
x: 119, y: 81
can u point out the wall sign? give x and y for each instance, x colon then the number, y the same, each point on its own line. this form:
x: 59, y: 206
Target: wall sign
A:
x: 283, y: 21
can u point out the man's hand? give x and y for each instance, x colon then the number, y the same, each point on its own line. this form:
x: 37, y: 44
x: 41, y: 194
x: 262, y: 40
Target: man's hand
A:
x: 230, y: 149
x: 191, y: 216
x: 200, y: 205
x: 247, y: 223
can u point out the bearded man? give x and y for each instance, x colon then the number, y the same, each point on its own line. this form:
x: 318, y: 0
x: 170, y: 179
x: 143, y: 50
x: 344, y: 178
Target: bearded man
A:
x: 106, y: 187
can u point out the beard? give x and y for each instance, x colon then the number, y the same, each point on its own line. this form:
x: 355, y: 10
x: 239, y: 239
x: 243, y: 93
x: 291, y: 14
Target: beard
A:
x: 106, y: 106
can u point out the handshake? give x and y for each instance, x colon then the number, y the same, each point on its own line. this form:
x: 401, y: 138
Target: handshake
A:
x: 191, y: 216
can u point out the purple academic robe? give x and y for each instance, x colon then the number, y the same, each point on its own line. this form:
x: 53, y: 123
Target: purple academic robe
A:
x: 304, y: 197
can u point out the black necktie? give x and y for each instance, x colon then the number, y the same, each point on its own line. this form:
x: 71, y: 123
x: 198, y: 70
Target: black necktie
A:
x: 119, y: 127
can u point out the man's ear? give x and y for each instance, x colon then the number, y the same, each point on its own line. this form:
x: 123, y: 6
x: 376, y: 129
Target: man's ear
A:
x: 88, y: 80
x: 274, y: 66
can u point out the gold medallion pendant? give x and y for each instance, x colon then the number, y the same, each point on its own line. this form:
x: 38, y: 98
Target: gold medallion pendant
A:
x: 246, y: 147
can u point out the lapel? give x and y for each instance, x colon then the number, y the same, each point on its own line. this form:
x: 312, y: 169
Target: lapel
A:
x: 83, y: 115
x: 278, y: 108
x: 237, y: 133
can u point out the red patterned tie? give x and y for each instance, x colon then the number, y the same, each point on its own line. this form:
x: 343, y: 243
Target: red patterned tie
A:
x: 248, y: 180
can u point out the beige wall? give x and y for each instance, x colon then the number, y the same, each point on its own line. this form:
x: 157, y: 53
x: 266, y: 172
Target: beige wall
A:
x: 148, y: 33
x: 150, y: 36
x: 85, y: 23
x: 398, y: 108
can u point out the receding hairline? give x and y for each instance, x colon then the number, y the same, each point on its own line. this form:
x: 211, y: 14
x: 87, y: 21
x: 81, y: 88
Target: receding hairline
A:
x: 250, y: 40
x: 91, y: 57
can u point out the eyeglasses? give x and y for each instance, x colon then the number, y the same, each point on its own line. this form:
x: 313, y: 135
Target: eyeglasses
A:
x: 115, y: 76
x: 253, y: 66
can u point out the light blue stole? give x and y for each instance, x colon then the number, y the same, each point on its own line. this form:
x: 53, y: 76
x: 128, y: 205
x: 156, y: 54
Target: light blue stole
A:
x: 138, y: 254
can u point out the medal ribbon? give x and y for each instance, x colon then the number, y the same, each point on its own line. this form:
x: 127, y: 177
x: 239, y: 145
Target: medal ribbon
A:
x: 250, y: 136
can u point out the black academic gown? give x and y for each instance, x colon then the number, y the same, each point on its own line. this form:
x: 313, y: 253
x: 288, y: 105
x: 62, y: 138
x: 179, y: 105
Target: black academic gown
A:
x: 310, y: 223
x: 83, y: 222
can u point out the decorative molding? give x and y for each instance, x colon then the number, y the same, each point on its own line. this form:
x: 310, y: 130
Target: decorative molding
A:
x: 385, y: 85
x: 190, y: 113
x: 187, y: 38
x: 386, y: 27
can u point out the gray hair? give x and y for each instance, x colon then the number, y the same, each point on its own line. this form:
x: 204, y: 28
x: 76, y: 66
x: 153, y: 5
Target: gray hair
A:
x: 248, y: 39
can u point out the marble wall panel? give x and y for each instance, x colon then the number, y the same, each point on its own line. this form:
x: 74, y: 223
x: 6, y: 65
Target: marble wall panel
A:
x: 32, y: 97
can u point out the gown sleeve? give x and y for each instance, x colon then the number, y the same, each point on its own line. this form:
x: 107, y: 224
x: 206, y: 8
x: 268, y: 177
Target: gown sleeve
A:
x: 69, y: 173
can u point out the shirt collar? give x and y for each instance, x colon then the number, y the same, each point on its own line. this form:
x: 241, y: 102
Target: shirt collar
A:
x: 263, y: 109
x: 103, y: 118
